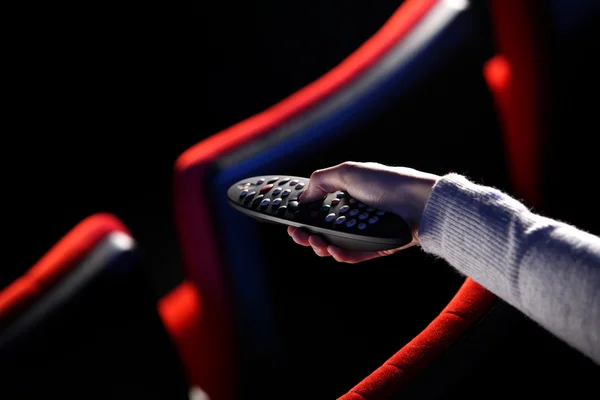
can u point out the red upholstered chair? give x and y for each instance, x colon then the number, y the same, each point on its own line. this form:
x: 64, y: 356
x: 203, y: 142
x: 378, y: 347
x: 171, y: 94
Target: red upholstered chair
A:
x: 84, y: 323
x: 270, y: 306
x: 398, y: 67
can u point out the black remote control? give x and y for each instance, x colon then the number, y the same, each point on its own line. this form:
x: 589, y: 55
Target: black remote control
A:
x: 338, y: 218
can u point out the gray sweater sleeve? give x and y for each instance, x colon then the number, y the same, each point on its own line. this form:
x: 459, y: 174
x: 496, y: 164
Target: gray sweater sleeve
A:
x: 547, y: 269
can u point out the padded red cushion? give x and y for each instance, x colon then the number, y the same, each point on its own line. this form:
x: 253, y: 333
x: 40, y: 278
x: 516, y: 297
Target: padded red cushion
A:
x: 181, y: 313
x: 56, y: 263
x: 469, y: 304
x: 519, y: 80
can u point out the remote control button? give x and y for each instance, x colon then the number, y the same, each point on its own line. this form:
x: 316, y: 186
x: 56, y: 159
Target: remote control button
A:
x: 330, y: 217
x: 325, y: 207
x: 353, y: 212
x: 340, y: 220
x: 299, y: 186
x: 281, y: 211
x: 363, y: 216
x: 362, y: 226
x: 257, y: 199
x: 273, y: 179
x: 361, y: 205
x: 243, y: 193
x: 369, y: 209
x: 294, y: 182
x: 276, y: 191
x: 286, y: 193
x: 345, y: 208
x: 260, y: 181
x: 284, y: 181
x: 353, y: 201
x: 380, y: 213
x: 339, y: 195
x: 265, y: 203
x: 277, y: 202
x: 266, y: 188
x: 293, y: 205
x: 373, y: 219
x: 249, y: 196
x: 351, y: 223
x: 335, y: 202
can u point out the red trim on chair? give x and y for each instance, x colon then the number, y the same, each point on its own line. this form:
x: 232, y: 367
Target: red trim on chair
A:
x: 56, y: 263
x: 181, y: 313
x: 469, y: 304
x: 517, y: 78
x: 192, y: 212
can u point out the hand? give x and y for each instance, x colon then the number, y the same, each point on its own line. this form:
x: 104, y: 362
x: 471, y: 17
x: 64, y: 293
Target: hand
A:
x: 399, y: 190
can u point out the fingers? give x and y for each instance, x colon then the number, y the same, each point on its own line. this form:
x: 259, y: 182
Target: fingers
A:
x: 351, y: 257
x: 319, y: 246
x: 300, y: 236
x: 322, y: 249
x: 325, y: 181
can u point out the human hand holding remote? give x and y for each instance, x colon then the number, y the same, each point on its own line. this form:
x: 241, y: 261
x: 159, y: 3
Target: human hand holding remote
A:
x: 399, y: 190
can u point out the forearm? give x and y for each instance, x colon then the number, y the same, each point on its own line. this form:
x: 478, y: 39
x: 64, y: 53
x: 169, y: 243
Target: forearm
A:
x: 548, y: 270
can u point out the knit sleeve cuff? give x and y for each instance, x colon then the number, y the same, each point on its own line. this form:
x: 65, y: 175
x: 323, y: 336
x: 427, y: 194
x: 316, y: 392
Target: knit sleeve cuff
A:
x: 470, y: 226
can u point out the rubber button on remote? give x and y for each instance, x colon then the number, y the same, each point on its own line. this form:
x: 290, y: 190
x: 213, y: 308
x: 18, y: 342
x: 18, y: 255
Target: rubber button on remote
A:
x: 361, y: 205
x: 293, y: 205
x: 325, y: 207
x: 265, y: 203
x: 294, y: 182
x: 340, y: 220
x: 363, y: 215
x: 340, y: 195
x: 362, y: 226
x: 281, y: 210
x: 284, y: 181
x: 351, y: 223
x: 257, y: 199
x: 380, y: 213
x: 260, y: 181
x: 266, y: 188
x: 354, y: 211
x: 345, y: 208
x: 330, y: 217
x: 286, y: 193
x: 277, y: 202
x: 243, y: 193
x: 373, y: 219
x: 335, y: 202
x: 273, y: 179
x: 276, y: 191
x: 369, y: 209
x: 299, y: 186
x: 353, y: 201
x: 249, y: 197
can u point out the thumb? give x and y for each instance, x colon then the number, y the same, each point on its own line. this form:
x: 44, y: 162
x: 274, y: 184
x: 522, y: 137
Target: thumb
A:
x: 324, y: 181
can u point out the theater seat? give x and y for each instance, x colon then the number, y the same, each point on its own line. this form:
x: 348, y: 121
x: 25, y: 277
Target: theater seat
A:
x: 285, y: 321
x: 280, y: 316
x: 83, y: 323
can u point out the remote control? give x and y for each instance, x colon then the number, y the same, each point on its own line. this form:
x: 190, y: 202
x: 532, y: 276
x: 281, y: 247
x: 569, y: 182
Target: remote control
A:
x: 338, y: 218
